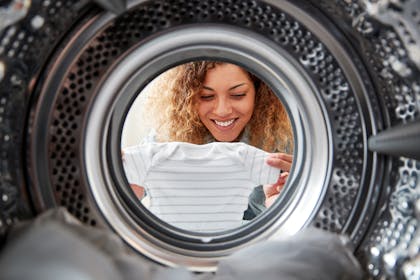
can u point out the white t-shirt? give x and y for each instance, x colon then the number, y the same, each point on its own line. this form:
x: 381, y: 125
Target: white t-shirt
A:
x: 201, y: 188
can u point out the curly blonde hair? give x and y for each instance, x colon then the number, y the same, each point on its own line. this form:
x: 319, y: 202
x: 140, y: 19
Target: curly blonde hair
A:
x: 178, y: 120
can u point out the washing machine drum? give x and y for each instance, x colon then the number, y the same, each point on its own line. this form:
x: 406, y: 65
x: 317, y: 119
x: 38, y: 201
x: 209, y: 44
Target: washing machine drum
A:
x: 346, y: 73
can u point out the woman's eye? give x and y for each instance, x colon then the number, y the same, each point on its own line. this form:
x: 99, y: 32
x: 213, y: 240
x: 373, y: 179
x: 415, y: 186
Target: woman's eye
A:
x: 238, y: 95
x: 206, y: 97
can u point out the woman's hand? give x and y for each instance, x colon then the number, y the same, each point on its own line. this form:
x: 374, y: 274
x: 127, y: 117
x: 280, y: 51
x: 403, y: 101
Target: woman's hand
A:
x: 272, y: 191
x: 138, y: 190
x: 283, y: 162
x: 280, y: 160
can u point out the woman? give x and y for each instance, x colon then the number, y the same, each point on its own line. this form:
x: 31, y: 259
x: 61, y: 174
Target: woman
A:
x: 208, y: 101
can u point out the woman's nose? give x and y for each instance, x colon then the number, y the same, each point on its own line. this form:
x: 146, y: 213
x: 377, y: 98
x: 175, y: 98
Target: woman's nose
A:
x: 223, y: 107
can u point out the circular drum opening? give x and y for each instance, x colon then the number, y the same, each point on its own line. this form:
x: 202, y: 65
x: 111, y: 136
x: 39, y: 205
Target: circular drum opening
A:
x: 203, y: 102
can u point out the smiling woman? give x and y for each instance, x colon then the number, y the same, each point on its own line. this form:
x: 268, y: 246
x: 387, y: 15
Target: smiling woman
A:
x: 208, y: 101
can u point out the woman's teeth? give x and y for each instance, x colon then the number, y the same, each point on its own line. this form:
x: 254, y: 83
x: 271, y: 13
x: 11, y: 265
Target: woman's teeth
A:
x: 227, y: 123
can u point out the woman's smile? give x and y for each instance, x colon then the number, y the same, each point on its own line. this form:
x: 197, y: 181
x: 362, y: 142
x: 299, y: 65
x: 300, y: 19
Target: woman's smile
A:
x: 225, y: 124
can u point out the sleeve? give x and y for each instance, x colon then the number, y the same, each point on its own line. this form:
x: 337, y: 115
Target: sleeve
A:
x: 260, y: 171
x: 256, y: 203
x: 137, y: 161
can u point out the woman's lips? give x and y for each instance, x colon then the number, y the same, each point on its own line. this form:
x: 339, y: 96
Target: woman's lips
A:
x: 224, y: 123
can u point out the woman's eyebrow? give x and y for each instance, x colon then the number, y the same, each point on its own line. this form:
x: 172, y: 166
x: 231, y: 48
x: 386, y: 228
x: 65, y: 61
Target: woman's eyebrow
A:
x: 231, y: 88
x: 208, y: 88
x: 238, y: 85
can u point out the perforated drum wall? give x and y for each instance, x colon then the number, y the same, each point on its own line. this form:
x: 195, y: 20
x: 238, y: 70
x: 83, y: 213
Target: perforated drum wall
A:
x: 359, y: 58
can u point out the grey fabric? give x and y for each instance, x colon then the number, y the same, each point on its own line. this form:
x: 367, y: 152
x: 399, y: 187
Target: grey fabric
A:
x: 310, y: 254
x: 56, y: 246
x: 256, y: 204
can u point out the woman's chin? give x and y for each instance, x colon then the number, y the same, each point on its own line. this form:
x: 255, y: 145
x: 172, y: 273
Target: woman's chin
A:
x: 226, y: 138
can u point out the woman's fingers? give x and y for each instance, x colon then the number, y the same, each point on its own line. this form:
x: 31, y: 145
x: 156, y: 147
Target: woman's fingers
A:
x: 138, y: 190
x: 272, y: 191
x: 281, y: 181
x: 282, y: 156
x: 270, y: 200
x: 280, y: 160
x: 282, y: 178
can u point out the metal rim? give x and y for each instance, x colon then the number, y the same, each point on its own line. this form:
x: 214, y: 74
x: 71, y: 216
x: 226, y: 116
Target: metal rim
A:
x: 274, y: 66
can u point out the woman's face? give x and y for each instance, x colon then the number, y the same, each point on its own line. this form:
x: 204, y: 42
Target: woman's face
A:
x: 226, y: 102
